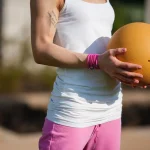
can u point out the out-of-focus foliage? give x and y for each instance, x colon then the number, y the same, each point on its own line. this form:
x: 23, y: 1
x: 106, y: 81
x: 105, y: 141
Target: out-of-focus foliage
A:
x: 17, y: 78
x: 135, y: 2
x: 127, y: 13
x: 14, y: 79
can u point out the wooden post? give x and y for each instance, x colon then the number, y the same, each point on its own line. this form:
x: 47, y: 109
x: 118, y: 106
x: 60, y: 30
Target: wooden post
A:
x: 1, y: 23
x: 147, y: 11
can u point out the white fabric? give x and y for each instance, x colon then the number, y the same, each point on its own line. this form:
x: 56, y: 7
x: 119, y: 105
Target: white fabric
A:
x: 83, y: 97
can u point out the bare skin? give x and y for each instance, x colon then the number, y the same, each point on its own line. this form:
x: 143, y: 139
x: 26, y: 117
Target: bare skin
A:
x: 44, y: 17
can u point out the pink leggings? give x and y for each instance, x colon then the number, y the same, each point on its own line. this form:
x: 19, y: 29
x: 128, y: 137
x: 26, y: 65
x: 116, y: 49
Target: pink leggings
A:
x: 100, y: 137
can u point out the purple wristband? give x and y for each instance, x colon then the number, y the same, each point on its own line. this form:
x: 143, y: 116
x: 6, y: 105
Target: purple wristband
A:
x: 92, y: 61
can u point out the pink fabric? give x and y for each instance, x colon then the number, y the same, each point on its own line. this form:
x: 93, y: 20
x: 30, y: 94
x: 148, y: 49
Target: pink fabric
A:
x: 100, y: 137
x: 92, y: 61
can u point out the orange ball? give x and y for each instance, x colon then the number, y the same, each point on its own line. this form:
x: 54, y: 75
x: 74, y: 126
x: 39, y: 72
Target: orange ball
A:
x: 136, y: 38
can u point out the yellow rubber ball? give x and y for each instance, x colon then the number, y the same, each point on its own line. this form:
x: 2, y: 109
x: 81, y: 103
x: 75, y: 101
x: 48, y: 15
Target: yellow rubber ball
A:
x: 136, y: 38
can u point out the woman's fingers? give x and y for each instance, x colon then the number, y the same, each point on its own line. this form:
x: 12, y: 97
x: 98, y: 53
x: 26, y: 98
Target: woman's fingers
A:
x: 143, y: 87
x: 129, y: 66
x: 128, y: 74
x: 130, y: 81
x: 118, y: 51
x: 123, y: 71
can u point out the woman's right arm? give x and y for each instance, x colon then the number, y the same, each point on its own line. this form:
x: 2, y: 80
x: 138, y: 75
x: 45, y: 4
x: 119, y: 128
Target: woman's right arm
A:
x: 44, y: 17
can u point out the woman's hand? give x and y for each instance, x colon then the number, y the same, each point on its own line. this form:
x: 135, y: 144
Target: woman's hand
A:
x: 122, y: 71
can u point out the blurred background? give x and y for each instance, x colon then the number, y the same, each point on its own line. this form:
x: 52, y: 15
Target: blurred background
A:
x: 25, y: 86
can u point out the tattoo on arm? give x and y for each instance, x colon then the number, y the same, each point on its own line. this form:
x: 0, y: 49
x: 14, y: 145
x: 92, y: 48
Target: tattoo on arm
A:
x: 52, y: 18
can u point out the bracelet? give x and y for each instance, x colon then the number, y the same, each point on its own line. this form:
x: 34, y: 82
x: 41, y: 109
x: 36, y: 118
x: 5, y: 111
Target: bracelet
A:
x: 92, y: 61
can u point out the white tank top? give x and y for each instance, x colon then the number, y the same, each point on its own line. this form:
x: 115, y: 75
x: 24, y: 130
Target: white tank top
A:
x: 83, y: 97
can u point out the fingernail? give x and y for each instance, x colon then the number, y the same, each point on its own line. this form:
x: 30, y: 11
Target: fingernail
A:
x: 141, y: 76
x: 136, y: 81
x: 140, y: 67
x: 123, y: 50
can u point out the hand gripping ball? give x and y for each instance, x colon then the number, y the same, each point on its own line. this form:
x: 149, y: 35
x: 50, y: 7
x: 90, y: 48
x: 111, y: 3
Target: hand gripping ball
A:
x: 136, y: 38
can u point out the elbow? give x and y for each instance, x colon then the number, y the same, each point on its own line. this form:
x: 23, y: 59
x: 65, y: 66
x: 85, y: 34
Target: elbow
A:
x: 37, y: 60
x: 39, y: 49
x: 37, y: 54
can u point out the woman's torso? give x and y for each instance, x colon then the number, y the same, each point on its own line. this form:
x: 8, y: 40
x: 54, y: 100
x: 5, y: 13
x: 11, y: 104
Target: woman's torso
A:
x: 85, y: 28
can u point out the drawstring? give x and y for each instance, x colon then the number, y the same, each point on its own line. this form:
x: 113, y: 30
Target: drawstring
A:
x: 96, y: 136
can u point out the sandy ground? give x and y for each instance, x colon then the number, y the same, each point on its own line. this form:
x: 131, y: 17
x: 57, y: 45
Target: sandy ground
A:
x: 132, y: 138
x: 136, y: 139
